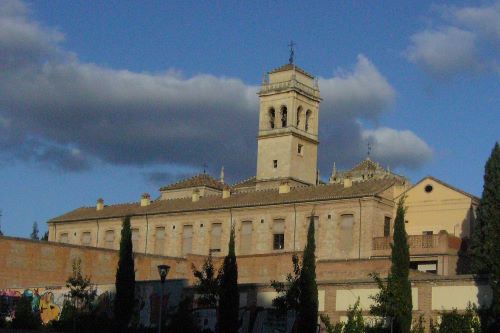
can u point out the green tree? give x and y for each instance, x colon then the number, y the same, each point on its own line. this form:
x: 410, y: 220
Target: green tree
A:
x: 45, y: 236
x: 331, y: 328
x: 394, y: 299
x: 125, y: 279
x: 355, y: 322
x: 229, y: 297
x: 207, y: 284
x: 289, y: 291
x: 307, y: 314
x: 24, y: 318
x: 34, y: 232
x: 81, y: 290
x: 183, y: 319
x: 485, y: 245
x: 455, y: 322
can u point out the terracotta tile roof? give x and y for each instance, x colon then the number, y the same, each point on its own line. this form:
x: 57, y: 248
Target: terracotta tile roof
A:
x: 366, y: 164
x: 196, y: 181
x: 246, y: 183
x: 244, y: 199
x: 288, y: 67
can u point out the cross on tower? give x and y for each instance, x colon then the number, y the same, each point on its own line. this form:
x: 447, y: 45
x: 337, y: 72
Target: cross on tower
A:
x: 292, y: 52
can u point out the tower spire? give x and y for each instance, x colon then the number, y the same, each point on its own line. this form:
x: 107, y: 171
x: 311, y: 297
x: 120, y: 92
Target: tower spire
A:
x: 222, y: 175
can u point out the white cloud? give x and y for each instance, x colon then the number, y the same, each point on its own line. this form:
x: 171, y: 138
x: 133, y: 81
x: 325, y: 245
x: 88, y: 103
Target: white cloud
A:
x: 65, y: 113
x: 464, y: 40
x: 363, y: 93
x: 397, y: 147
x: 444, y: 52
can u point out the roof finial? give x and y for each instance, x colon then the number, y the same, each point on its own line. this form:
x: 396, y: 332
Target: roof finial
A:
x: 369, y: 151
x: 334, y: 169
x: 205, y: 168
x: 292, y: 52
x: 222, y: 175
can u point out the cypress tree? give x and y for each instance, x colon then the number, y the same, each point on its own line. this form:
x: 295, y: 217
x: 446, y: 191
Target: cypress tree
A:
x: 485, y: 247
x: 229, y: 297
x: 125, y: 279
x: 307, y: 314
x: 399, y: 286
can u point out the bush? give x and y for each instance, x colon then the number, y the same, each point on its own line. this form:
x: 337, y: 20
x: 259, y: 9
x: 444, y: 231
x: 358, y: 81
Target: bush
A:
x: 24, y: 318
x: 455, y: 322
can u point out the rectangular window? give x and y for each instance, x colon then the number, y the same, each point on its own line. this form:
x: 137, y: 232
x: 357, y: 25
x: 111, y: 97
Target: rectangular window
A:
x: 387, y: 226
x: 86, y: 238
x: 215, y: 237
x: 187, y: 240
x: 159, y: 240
x: 135, y: 240
x: 346, y: 232
x: 427, y: 233
x: 246, y: 237
x: 300, y: 149
x: 109, y: 239
x: 278, y: 234
x: 63, y: 238
x: 275, y: 164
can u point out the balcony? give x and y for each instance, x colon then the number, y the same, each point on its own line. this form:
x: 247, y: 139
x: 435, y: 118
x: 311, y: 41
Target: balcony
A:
x: 442, y: 243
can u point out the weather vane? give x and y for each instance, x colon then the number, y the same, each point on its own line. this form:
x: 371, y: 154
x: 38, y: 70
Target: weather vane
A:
x: 292, y: 52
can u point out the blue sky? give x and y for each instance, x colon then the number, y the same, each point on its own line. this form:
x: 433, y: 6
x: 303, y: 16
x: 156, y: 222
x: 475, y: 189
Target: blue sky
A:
x: 116, y: 98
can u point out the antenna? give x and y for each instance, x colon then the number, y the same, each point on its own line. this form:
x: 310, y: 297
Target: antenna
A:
x: 205, y: 166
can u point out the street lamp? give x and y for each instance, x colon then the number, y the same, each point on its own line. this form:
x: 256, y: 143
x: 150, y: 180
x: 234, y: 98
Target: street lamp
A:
x: 163, y: 271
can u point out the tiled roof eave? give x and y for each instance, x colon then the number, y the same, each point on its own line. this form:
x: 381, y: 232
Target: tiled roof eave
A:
x: 243, y: 205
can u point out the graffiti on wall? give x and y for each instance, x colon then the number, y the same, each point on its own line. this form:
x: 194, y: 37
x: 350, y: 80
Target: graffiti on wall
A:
x: 48, y: 302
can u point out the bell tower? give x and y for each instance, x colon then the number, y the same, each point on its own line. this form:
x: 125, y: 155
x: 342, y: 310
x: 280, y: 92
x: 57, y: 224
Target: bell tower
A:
x: 287, y: 142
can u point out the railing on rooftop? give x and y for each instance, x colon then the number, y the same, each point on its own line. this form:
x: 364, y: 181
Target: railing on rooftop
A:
x: 420, y: 244
x: 284, y: 85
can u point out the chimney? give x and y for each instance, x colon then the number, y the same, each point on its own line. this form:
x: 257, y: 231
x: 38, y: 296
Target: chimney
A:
x: 100, y: 204
x: 347, y: 182
x: 196, y: 195
x: 284, y: 188
x: 145, y: 199
x: 226, y: 192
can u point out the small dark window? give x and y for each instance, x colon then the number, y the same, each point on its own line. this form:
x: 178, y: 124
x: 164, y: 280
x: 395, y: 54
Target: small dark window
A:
x: 387, y: 226
x: 262, y: 221
x: 279, y: 241
x: 428, y: 188
x: 275, y: 164
x: 427, y: 233
x: 329, y: 216
x: 299, y: 149
x: 201, y: 225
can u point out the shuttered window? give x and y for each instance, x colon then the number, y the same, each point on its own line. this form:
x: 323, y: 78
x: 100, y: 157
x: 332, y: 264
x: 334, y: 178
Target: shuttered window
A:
x: 346, y: 230
x: 278, y: 234
x: 246, y: 237
x: 135, y: 240
x: 86, y: 238
x: 160, y: 240
x: 187, y: 239
x: 215, y: 237
x: 109, y: 239
x: 387, y: 226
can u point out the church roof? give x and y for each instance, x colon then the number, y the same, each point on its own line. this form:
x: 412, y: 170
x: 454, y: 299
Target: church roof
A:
x: 236, y: 200
x: 199, y: 180
x: 289, y: 67
x: 366, y: 164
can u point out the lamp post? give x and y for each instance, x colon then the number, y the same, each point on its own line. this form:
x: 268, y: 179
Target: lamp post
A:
x: 163, y: 271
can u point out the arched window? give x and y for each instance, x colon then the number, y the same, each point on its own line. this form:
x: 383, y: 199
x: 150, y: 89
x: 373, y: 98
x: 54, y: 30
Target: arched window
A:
x: 299, y: 115
x: 308, y: 119
x: 272, y: 117
x: 284, y: 116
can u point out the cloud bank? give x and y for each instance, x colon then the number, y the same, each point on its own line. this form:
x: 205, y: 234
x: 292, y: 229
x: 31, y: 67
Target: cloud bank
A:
x: 462, y: 40
x: 62, y: 113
